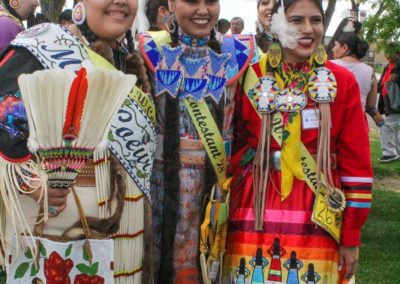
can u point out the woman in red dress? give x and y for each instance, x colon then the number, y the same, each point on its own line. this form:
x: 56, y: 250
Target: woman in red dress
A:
x: 301, y: 170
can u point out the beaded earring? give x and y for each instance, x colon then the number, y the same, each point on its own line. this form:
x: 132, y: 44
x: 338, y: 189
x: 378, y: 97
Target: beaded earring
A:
x: 260, y: 26
x: 169, y: 21
x: 14, y: 4
x: 319, y: 55
x: 79, y: 14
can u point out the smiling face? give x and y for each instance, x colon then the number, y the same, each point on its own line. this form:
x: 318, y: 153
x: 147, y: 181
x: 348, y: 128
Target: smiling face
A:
x: 195, y: 17
x: 306, y: 16
x: 110, y: 19
x: 264, y: 10
x: 26, y: 8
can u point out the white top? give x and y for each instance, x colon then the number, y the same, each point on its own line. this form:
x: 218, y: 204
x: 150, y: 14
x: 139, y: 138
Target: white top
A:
x: 363, y: 74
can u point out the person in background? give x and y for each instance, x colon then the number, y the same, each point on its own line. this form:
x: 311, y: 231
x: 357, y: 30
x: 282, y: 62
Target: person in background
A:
x: 348, y: 50
x: 348, y: 24
x: 390, y: 132
x: 157, y: 13
x: 223, y: 26
x: 36, y: 19
x: 237, y: 25
x: 12, y: 13
x: 65, y: 18
x: 263, y: 35
x: 300, y: 150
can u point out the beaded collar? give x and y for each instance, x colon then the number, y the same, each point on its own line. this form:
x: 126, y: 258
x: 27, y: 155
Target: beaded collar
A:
x: 192, y: 41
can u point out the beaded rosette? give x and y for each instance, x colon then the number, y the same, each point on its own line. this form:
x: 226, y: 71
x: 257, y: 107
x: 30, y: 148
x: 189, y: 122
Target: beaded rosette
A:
x: 265, y: 92
x: 322, y: 85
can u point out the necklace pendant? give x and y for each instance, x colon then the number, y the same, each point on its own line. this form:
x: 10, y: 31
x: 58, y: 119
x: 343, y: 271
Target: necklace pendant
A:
x: 264, y: 98
x: 290, y: 100
x: 336, y: 201
x: 274, y: 55
x: 322, y: 86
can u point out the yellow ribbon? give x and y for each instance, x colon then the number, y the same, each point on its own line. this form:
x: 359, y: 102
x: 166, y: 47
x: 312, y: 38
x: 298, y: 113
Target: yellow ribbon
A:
x: 290, y: 155
x: 209, y: 135
x: 327, y: 219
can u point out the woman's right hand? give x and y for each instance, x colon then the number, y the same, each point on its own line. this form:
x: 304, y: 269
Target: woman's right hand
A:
x: 57, y: 199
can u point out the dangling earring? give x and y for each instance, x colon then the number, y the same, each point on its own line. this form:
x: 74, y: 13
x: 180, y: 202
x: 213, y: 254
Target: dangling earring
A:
x: 260, y: 26
x: 320, y: 55
x: 169, y: 21
x: 79, y: 14
x: 274, y: 55
x: 14, y: 4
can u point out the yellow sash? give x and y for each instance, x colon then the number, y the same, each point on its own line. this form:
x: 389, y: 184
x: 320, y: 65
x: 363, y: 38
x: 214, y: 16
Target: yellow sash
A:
x: 214, y: 227
x: 322, y: 215
x: 210, y: 136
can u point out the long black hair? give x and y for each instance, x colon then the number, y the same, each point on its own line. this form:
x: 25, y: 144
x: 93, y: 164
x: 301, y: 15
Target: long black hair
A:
x: 339, y: 31
x: 152, y: 12
x: 357, y: 46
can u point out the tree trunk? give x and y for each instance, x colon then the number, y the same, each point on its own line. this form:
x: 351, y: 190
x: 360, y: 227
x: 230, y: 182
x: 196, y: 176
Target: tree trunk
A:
x: 52, y: 9
x: 329, y: 13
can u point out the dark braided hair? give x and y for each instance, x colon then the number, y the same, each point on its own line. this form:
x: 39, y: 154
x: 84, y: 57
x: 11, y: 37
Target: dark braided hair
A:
x: 175, y: 35
x: 86, y: 32
x: 213, y: 43
x: 129, y: 41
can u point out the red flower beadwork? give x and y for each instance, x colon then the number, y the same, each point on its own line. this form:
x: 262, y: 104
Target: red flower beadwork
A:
x: 88, y: 279
x: 56, y: 269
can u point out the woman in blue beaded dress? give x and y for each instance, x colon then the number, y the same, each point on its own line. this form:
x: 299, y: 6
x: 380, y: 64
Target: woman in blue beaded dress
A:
x: 195, y: 78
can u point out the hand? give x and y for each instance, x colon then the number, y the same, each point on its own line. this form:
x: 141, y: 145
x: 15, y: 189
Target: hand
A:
x: 57, y: 198
x: 379, y: 121
x: 348, y: 256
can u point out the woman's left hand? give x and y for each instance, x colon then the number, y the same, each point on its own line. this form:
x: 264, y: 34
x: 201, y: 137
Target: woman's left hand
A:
x: 348, y: 256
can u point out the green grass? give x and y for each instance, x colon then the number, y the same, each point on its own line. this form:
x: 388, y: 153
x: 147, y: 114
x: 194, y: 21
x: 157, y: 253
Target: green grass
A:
x: 380, y: 245
x: 380, y: 249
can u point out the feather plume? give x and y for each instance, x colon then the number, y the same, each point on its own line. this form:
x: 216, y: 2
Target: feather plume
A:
x: 76, y: 102
x: 287, y: 34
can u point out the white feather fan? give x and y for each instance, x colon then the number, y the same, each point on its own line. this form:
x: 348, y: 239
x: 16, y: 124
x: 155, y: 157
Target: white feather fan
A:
x: 46, y: 98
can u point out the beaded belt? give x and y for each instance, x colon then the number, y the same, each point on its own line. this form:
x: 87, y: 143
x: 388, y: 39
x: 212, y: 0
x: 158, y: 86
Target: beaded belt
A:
x: 275, y: 160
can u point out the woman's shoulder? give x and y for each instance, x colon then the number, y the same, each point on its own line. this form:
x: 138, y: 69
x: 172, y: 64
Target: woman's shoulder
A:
x: 150, y: 44
x: 341, y: 73
x: 53, y: 46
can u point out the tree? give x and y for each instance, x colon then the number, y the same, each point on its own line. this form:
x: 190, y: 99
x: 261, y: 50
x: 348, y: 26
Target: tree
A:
x: 52, y: 8
x: 384, y: 26
x: 330, y: 9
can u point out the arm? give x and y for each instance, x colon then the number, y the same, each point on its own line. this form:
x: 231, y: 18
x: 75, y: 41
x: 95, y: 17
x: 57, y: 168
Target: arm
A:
x: 9, y: 30
x: 396, y: 72
x: 372, y: 99
x: 355, y: 171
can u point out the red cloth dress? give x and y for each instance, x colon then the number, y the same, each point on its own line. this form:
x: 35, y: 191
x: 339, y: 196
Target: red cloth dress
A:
x: 290, y: 240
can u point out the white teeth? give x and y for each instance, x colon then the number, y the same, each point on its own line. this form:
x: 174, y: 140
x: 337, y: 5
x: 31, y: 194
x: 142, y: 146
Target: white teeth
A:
x: 305, y: 41
x: 200, y: 22
x: 117, y: 15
